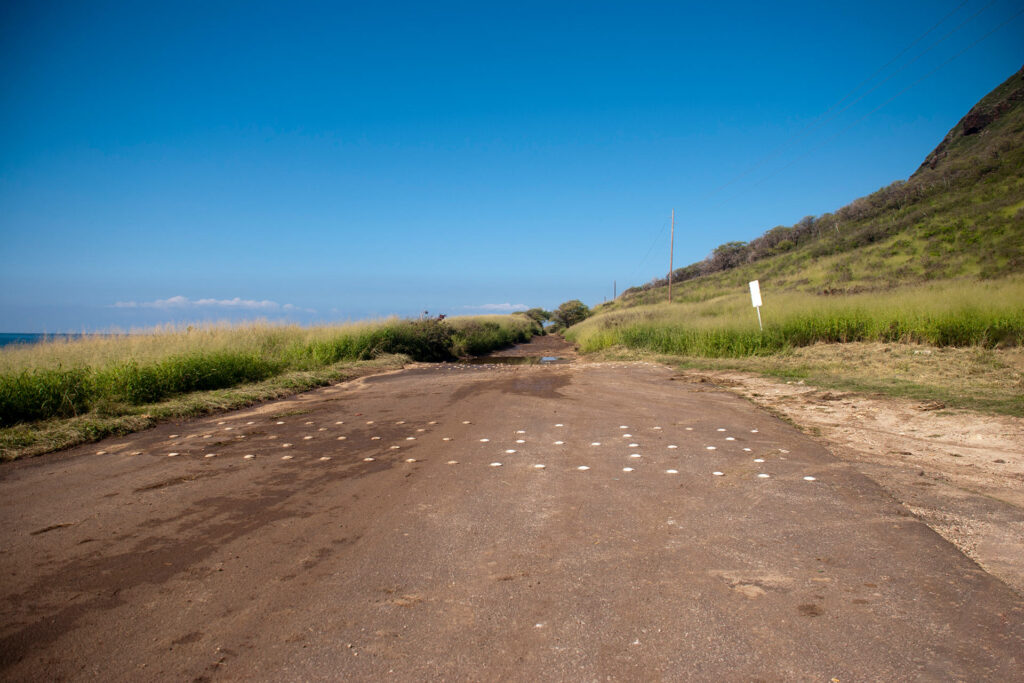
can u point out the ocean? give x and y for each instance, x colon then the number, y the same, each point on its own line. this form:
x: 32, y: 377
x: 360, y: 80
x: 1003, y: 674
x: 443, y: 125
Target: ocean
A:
x: 32, y: 337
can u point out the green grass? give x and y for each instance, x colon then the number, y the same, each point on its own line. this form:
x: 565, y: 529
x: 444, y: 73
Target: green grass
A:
x: 986, y: 314
x: 113, y: 419
x: 115, y: 374
x: 984, y: 380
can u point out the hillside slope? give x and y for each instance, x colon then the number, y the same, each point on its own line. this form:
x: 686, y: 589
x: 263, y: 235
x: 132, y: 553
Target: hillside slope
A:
x: 960, y: 215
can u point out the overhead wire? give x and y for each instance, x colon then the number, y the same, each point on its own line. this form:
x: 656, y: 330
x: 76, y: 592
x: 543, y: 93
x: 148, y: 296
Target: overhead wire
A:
x: 888, y: 101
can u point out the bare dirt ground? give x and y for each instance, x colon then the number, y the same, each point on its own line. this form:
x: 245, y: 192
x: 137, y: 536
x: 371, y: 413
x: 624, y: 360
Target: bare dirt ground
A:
x: 537, y: 522
x: 960, y: 471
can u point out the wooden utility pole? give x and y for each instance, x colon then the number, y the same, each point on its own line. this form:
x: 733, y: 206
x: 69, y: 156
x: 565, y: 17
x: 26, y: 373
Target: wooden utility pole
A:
x: 671, y: 252
x: 615, y: 289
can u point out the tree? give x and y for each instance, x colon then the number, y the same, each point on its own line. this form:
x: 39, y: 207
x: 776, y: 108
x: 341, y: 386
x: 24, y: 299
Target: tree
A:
x: 538, y: 314
x: 570, y: 313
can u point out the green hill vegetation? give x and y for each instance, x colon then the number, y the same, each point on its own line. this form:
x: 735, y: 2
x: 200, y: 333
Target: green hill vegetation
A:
x: 937, y: 259
x: 64, y: 392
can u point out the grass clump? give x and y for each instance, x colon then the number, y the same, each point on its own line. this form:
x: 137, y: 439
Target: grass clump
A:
x: 987, y: 314
x: 112, y: 375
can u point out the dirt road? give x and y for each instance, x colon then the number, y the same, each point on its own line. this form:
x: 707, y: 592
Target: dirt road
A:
x: 521, y: 522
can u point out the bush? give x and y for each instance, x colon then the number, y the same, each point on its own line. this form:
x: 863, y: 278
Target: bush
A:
x: 570, y: 313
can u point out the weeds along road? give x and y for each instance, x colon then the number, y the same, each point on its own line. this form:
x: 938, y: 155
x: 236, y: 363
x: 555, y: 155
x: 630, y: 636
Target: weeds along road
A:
x: 441, y: 522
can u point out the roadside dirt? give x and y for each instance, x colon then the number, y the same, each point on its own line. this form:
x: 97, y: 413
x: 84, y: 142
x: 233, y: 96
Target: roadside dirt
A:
x: 961, y: 472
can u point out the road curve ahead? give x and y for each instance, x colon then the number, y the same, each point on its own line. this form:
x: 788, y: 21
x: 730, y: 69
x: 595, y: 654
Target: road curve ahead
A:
x: 539, y: 522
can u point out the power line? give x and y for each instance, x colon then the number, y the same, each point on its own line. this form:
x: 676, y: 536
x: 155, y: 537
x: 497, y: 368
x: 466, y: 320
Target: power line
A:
x: 888, y: 101
x: 824, y: 117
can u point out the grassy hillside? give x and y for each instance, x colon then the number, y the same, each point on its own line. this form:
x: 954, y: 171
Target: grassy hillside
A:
x: 960, y: 216
x: 63, y: 392
x: 937, y: 259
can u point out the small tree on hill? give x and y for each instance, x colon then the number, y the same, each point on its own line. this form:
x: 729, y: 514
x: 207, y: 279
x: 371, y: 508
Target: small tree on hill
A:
x: 538, y: 314
x: 570, y: 313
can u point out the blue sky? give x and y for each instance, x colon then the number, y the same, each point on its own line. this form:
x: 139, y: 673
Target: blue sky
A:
x: 330, y: 161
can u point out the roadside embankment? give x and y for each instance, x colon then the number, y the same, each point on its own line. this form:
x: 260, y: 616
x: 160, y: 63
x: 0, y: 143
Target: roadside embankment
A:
x: 61, y: 393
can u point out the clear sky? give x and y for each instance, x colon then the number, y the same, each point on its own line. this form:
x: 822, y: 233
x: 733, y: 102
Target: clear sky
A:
x: 189, y: 161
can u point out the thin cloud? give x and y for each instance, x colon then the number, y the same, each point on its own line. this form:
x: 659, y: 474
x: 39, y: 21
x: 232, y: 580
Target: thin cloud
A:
x: 237, y: 303
x: 498, y: 308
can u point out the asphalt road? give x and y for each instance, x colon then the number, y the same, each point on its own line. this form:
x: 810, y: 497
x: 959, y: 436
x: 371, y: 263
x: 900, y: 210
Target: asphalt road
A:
x: 402, y: 527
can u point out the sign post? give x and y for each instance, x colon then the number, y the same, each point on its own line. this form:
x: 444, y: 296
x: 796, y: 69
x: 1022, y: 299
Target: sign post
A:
x: 755, y: 298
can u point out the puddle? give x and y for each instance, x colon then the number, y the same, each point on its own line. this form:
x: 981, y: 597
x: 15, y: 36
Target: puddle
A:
x: 514, y: 360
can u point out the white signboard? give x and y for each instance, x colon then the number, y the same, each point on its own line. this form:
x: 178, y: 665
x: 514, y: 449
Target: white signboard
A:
x: 755, y: 293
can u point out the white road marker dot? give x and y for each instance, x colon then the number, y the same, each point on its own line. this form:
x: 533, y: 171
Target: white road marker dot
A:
x: 627, y: 436
x: 432, y: 422
x: 173, y: 436
x: 309, y: 422
x: 783, y: 450
x: 322, y: 429
x: 286, y: 445
x: 627, y: 469
x: 689, y: 429
x: 583, y: 468
x: 374, y: 438
x: 280, y: 423
x: 286, y: 457
x: 340, y: 422
x: 730, y: 438
x: 520, y: 440
x: 410, y: 438
x: 711, y: 448
x: 306, y: 438
x: 809, y: 479
x: 538, y: 467
x: 559, y: 425
x: 763, y: 476
x: 510, y: 450
x: 466, y: 422
x: 559, y: 443
x: 446, y: 438
x: 672, y: 445
x: 368, y: 459
x: 421, y: 429
x: 655, y: 427
x: 753, y: 431
x: 635, y: 455
x: 520, y: 431
x: 410, y: 459
x: 394, y: 448
x: 623, y: 426
x: 758, y: 459
x: 747, y: 450
x: 400, y: 422
x: 171, y: 455
x: 228, y: 429
x: 221, y: 422
x: 325, y: 457
x: 484, y: 440
x: 249, y: 456
x: 453, y: 462
x: 671, y: 471
x: 720, y: 429
x: 596, y: 443
x: 342, y: 438
x: 495, y: 464
x: 210, y: 455
x: 718, y: 474
x: 634, y: 445
x: 101, y: 452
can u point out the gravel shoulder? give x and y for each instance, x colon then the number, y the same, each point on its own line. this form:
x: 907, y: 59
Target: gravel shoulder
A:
x: 960, y: 471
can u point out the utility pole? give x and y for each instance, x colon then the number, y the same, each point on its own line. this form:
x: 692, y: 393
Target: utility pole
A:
x: 615, y: 290
x: 671, y: 252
